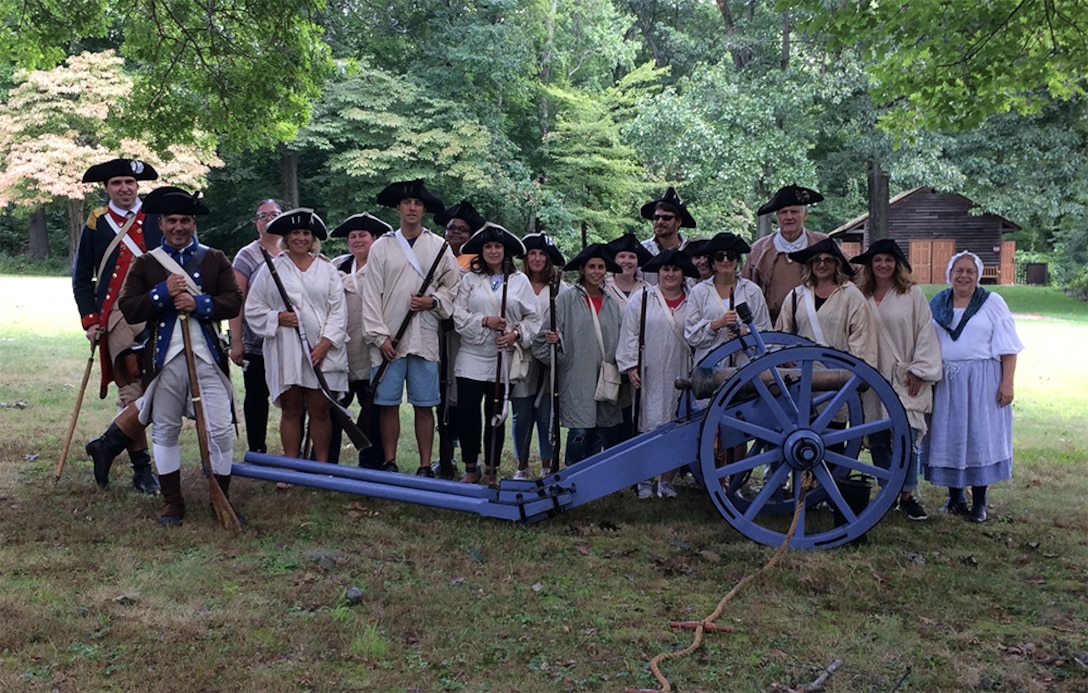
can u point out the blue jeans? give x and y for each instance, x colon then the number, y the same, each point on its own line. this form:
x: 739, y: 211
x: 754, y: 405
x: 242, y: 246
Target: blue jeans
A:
x: 526, y: 415
x: 880, y: 447
x: 586, y: 442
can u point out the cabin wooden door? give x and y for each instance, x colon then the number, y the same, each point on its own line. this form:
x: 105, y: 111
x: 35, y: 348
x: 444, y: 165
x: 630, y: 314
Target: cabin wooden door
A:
x: 929, y: 259
x: 1008, y: 262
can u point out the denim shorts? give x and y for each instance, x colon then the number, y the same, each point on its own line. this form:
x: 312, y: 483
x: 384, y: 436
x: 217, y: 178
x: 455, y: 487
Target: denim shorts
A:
x: 421, y: 377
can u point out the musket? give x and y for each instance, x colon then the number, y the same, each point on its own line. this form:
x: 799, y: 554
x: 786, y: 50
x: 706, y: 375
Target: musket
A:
x: 553, y: 374
x: 636, y: 410
x: 75, y: 412
x: 224, y: 511
x: 343, y: 416
x: 502, y: 394
x: 445, y: 439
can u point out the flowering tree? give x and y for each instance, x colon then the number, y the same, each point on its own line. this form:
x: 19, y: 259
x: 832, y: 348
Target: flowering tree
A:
x: 57, y: 123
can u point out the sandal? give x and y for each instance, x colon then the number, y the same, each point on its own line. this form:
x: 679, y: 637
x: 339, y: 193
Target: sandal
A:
x: 471, y: 476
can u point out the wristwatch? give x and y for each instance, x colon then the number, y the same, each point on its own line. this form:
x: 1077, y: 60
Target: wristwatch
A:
x: 434, y: 302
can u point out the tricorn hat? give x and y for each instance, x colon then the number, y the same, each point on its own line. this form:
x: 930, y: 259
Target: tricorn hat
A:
x: 361, y: 222
x: 827, y: 245
x: 170, y: 200
x: 392, y: 194
x: 298, y: 218
x: 674, y: 257
x: 119, y: 168
x: 630, y: 244
x: 493, y: 233
x: 725, y: 241
x: 694, y: 247
x: 464, y: 211
x: 544, y: 242
x: 670, y: 198
x: 790, y: 196
x: 886, y: 246
x: 588, y: 253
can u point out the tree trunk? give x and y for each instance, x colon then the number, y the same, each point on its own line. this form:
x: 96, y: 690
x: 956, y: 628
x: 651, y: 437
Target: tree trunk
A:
x: 289, y: 177
x: 546, y: 67
x: 38, y: 247
x: 878, y: 202
x: 75, y: 226
x: 785, y: 60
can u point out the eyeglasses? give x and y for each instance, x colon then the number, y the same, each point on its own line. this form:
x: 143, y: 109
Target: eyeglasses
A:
x: 664, y: 217
x: 824, y: 261
x: 267, y: 216
x: 724, y: 255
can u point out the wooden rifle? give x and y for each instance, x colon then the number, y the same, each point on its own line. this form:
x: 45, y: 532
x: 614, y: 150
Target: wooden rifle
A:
x: 636, y: 410
x: 75, y: 412
x: 499, y: 400
x: 343, y: 416
x: 553, y: 374
x: 224, y: 511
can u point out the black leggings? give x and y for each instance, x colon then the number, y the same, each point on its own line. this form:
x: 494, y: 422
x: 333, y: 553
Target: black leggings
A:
x: 470, y: 393
x: 255, y: 404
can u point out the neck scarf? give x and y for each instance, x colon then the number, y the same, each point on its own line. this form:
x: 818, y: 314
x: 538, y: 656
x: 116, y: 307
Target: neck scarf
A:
x: 943, y: 312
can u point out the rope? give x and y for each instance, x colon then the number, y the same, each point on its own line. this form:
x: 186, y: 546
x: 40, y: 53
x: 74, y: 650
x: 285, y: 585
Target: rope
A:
x: 807, y: 482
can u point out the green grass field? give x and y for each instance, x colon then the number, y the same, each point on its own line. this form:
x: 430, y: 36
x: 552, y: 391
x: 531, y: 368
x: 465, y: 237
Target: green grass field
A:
x: 95, y: 596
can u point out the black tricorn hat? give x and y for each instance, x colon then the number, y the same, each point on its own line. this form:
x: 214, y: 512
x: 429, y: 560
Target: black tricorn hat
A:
x: 493, y: 233
x: 298, y: 218
x: 629, y: 243
x: 544, y: 242
x: 464, y: 211
x: 119, y: 168
x: 588, y: 253
x: 790, y: 196
x: 827, y: 245
x: 886, y: 246
x: 392, y: 194
x: 361, y: 222
x: 674, y: 257
x: 170, y: 200
x: 670, y: 198
x: 694, y: 247
x: 725, y: 241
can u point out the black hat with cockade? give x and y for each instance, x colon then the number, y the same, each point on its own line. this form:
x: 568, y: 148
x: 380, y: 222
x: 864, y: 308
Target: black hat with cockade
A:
x: 886, y: 246
x: 361, y: 222
x: 629, y: 243
x: 790, y: 196
x: 298, y: 218
x: 119, y: 168
x: 588, y: 253
x: 827, y: 245
x: 493, y: 233
x: 669, y: 198
x: 674, y: 257
x: 168, y: 200
x: 392, y: 194
x: 464, y: 211
x: 544, y: 242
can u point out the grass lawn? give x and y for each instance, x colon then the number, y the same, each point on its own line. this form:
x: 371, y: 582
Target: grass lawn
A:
x: 95, y: 596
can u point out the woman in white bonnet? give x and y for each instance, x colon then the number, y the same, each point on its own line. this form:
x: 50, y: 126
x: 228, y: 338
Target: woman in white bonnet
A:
x: 970, y: 436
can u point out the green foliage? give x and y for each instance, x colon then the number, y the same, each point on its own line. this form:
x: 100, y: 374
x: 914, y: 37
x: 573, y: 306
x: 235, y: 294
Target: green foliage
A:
x: 948, y: 66
x: 245, y: 72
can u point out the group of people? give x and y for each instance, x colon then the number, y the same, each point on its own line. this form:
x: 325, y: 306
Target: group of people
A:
x: 481, y: 325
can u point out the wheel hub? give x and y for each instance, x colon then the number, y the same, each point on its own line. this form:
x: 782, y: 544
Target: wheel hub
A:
x: 803, y: 449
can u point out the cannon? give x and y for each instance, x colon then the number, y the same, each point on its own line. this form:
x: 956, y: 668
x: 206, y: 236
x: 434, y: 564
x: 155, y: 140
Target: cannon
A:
x: 789, y: 406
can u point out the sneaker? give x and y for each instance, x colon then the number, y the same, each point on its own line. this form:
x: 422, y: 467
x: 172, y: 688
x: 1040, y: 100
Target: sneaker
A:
x: 522, y: 475
x: 913, y: 508
x: 645, y: 490
x: 425, y: 471
x: 665, y: 490
x: 390, y: 466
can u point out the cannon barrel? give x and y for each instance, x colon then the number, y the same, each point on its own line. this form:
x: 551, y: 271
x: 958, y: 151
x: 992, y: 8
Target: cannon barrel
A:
x: 704, y: 382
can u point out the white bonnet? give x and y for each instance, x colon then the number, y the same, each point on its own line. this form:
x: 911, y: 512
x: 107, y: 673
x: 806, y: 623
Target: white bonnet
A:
x: 957, y: 256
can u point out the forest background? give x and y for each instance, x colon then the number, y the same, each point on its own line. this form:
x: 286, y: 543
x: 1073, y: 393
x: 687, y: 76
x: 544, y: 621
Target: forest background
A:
x: 560, y: 114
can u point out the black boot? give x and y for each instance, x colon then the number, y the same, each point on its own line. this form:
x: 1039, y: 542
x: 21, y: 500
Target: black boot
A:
x: 103, y: 449
x: 143, y: 478
x: 173, y: 503
x: 978, y: 504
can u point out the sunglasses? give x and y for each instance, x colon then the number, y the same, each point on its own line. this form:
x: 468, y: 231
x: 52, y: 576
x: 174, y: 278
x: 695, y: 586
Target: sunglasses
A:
x: 723, y: 255
x: 824, y: 261
x: 664, y: 217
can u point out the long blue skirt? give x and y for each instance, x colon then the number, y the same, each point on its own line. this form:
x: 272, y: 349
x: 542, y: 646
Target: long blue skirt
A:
x: 970, y: 437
